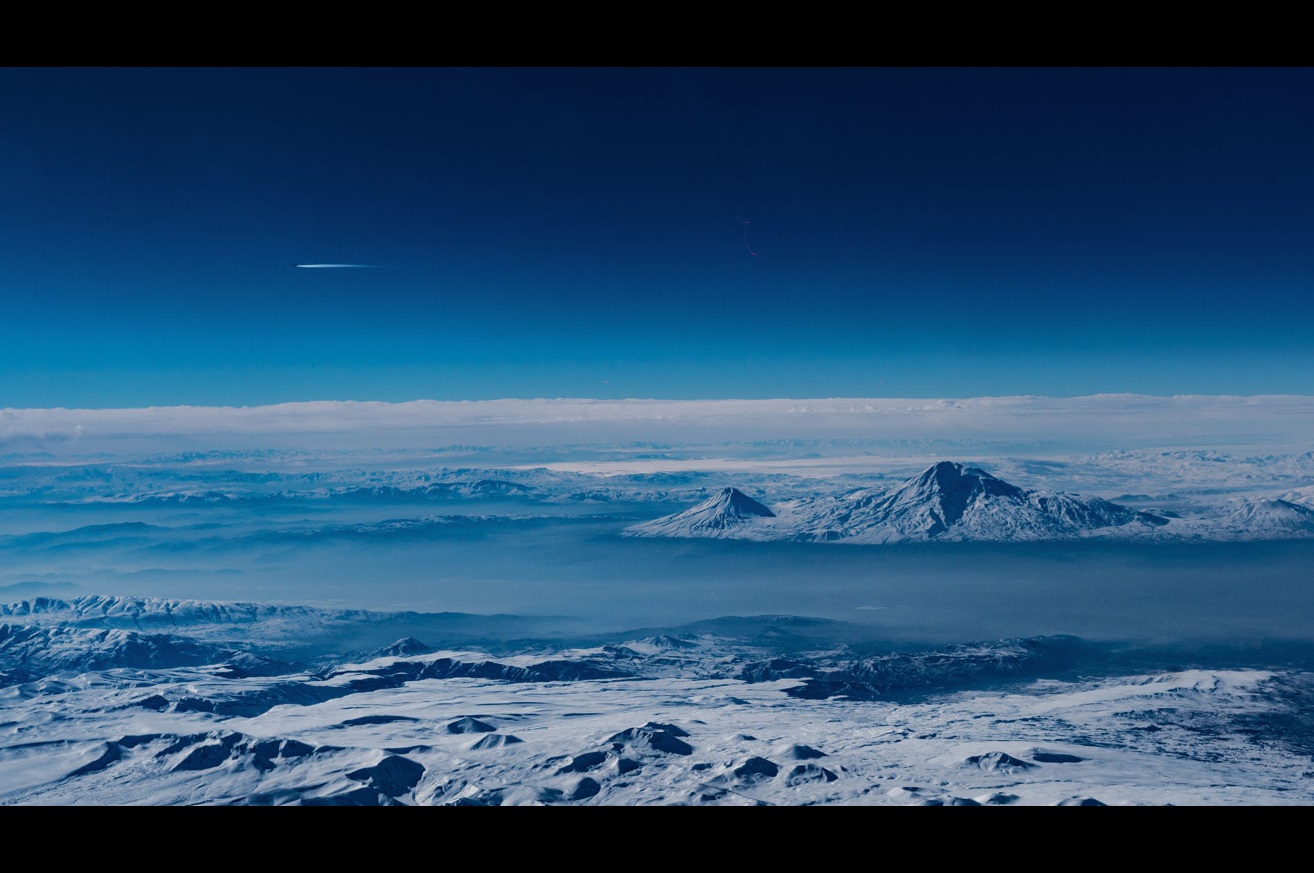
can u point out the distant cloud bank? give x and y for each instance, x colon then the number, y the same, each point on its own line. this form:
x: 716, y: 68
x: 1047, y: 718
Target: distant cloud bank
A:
x: 1025, y: 424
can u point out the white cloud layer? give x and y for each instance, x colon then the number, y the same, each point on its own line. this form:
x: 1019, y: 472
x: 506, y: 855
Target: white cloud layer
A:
x: 1034, y: 425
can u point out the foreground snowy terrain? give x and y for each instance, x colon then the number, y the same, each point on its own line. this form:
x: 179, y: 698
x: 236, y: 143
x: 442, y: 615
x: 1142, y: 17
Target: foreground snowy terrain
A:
x: 1009, y: 601
x: 760, y: 711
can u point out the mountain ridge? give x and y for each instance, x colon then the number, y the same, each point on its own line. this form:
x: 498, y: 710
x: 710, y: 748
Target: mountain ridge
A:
x: 947, y: 501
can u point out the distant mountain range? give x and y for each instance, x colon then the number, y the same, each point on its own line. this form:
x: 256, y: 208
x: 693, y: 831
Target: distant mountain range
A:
x: 951, y: 502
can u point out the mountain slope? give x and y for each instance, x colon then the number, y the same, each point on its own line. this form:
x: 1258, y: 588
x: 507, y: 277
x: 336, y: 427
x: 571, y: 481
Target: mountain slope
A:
x: 1248, y: 517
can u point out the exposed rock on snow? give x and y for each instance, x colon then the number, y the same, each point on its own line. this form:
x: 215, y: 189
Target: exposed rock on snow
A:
x: 732, y: 722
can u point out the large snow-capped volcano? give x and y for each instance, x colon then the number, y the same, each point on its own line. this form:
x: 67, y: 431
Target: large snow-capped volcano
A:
x: 948, y: 501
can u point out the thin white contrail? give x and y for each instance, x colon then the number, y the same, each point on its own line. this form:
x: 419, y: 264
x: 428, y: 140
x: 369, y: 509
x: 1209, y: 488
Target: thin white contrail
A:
x: 338, y: 266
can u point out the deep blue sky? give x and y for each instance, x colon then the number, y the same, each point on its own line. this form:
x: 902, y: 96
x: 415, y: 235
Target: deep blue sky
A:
x: 652, y: 232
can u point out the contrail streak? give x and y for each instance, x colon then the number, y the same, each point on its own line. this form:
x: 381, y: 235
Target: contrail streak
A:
x: 337, y: 266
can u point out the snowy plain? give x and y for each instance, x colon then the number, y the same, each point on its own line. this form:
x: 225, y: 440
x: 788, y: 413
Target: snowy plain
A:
x: 444, y: 603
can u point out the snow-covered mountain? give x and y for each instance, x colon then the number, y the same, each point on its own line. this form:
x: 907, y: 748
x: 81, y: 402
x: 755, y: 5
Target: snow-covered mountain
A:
x: 948, y: 501
x: 1276, y: 516
x: 720, y: 515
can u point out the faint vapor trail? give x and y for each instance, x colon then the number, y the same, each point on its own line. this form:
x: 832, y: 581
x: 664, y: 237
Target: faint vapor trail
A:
x: 746, y: 245
x: 338, y: 266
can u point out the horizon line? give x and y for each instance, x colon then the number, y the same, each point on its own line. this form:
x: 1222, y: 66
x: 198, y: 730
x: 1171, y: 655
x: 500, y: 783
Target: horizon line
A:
x: 1129, y: 395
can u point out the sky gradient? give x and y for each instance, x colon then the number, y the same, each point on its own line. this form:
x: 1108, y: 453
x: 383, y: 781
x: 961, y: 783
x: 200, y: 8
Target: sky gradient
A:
x: 652, y: 232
